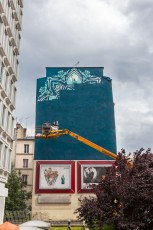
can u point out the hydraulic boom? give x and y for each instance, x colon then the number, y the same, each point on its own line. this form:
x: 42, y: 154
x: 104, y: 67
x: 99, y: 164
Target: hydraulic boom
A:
x: 57, y: 133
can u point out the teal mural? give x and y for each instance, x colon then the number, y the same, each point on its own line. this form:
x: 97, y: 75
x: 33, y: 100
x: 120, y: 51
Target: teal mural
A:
x: 81, y: 100
x: 65, y: 80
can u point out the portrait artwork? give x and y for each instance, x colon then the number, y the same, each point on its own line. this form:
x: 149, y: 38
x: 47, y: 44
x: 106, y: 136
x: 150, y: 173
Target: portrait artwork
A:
x: 90, y: 173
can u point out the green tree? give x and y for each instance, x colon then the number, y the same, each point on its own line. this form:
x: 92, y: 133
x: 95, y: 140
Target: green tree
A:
x: 17, y: 195
x: 124, y: 197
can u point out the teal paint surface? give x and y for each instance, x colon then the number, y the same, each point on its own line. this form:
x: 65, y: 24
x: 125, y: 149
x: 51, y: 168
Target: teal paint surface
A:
x: 81, y: 100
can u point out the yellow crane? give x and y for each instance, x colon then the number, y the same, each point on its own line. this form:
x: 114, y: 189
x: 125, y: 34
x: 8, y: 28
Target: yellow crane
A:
x: 48, y: 132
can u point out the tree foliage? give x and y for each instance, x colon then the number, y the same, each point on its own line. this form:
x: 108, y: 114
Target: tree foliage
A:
x: 17, y: 195
x: 125, y: 196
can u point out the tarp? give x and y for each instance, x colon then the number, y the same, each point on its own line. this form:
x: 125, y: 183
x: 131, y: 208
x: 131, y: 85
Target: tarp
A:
x: 36, y: 223
x: 29, y: 228
x: 8, y: 226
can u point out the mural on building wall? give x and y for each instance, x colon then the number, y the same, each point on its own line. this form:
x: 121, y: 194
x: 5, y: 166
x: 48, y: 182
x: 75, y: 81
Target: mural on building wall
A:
x: 80, y: 99
x: 92, y: 175
x: 90, y: 172
x: 53, y: 176
x: 65, y: 80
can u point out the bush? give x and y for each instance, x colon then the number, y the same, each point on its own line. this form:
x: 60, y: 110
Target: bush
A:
x: 108, y: 227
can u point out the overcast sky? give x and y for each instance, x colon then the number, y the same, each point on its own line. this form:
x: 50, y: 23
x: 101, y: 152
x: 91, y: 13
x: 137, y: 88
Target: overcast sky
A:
x: 114, y: 34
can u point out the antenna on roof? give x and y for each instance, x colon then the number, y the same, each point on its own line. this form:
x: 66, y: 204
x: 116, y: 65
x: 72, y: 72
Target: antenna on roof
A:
x: 75, y: 65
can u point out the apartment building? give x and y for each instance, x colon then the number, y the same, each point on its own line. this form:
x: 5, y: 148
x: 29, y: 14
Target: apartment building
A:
x: 10, y: 28
x: 24, y: 156
x: 81, y: 100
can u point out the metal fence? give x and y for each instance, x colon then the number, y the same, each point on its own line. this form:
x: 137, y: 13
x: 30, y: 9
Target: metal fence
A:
x: 17, y: 217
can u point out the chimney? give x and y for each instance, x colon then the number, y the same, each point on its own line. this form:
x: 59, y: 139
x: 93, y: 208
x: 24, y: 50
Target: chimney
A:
x: 20, y: 132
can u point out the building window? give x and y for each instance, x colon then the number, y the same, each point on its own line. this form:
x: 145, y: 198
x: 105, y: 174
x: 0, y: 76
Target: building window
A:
x: 24, y: 179
x: 4, y: 157
x: 9, y: 3
x: 9, y: 161
x: 25, y: 163
x: 3, y: 115
x: 1, y: 71
x: 26, y: 148
x: 1, y: 146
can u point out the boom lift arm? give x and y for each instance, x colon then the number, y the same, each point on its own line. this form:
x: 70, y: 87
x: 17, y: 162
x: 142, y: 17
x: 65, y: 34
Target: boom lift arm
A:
x: 56, y: 133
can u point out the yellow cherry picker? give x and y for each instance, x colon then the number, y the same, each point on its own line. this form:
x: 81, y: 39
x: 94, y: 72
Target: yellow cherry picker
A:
x: 48, y: 131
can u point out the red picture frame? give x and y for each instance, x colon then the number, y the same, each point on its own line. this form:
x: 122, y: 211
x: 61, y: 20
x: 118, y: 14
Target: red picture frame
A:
x: 55, y: 177
x: 90, y: 172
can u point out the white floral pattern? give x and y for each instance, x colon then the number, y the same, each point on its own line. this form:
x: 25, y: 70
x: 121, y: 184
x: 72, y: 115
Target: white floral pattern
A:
x: 65, y: 80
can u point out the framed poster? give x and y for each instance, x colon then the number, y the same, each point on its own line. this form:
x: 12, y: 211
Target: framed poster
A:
x: 91, y: 172
x: 55, y: 177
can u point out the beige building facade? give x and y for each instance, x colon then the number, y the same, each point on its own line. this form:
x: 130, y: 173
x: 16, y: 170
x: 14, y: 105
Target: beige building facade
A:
x: 55, y: 207
x: 24, y: 156
x: 10, y: 28
x: 51, y: 203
